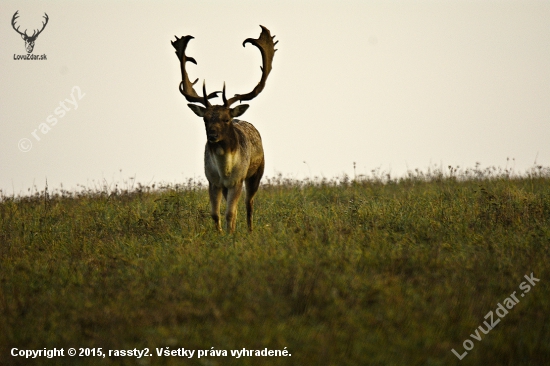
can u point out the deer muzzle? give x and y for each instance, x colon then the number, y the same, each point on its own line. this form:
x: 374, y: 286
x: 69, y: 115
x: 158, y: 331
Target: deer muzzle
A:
x: 212, y: 137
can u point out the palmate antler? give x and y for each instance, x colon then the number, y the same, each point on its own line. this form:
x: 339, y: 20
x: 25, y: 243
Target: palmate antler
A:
x: 264, y: 43
x: 267, y: 48
x: 186, y: 87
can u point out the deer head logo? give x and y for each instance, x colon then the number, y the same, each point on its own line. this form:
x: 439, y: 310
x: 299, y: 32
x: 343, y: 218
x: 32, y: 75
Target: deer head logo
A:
x: 29, y: 40
x: 234, y: 152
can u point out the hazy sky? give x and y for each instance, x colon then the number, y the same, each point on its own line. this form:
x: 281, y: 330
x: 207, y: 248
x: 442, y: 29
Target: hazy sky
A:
x: 391, y: 84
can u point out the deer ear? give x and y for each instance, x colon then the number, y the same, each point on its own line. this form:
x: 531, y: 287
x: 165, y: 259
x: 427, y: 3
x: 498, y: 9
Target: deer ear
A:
x: 23, y: 36
x: 239, y: 110
x: 199, y: 111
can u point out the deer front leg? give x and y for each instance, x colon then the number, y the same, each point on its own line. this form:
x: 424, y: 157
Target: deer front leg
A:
x: 215, y: 194
x: 233, y: 195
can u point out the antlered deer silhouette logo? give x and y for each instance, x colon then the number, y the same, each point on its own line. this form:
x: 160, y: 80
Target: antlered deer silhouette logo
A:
x: 29, y: 40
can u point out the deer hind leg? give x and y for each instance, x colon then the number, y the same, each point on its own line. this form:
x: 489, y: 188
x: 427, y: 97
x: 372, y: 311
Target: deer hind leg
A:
x: 215, y: 194
x: 252, y: 185
x: 233, y: 195
x: 224, y: 190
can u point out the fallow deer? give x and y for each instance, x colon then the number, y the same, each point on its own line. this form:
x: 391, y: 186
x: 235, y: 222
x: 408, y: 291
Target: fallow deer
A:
x: 233, y: 152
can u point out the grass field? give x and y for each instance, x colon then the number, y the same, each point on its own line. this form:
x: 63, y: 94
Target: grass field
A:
x: 366, y: 271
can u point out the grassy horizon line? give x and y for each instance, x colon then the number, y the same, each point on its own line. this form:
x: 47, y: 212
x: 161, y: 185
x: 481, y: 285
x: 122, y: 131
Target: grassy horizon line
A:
x: 433, y: 173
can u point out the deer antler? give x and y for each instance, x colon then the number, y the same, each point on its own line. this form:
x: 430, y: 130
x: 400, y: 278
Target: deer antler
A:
x: 267, y: 48
x: 15, y: 16
x: 34, y: 34
x: 186, y: 87
x: 43, y: 26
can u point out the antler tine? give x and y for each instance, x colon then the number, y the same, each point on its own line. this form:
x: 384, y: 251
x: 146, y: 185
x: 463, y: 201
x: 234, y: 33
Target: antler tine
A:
x: 186, y: 87
x: 267, y: 48
x: 223, y: 96
x: 206, y: 102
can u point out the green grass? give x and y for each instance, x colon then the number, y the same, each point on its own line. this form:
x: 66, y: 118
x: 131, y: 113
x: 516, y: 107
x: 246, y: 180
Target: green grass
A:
x: 366, y: 271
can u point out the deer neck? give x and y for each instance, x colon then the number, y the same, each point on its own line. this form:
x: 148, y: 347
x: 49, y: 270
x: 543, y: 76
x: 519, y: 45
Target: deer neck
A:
x: 227, y: 146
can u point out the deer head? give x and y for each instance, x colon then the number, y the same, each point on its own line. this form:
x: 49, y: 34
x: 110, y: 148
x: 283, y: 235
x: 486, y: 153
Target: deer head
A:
x: 29, y: 40
x: 218, y: 118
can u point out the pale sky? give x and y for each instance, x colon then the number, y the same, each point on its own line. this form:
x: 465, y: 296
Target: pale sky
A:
x: 394, y: 85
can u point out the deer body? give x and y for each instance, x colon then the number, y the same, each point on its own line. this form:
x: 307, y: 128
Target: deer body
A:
x: 233, y: 153
x: 225, y: 164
